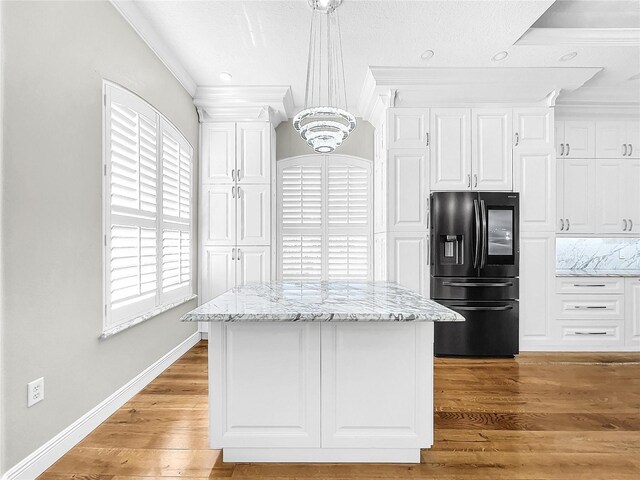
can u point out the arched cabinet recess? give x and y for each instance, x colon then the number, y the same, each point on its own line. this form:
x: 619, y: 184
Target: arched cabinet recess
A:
x: 324, y: 218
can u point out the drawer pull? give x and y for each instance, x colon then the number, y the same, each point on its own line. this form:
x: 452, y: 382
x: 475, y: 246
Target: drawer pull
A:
x: 476, y: 284
x: 590, y: 307
x: 589, y: 285
x: 590, y: 333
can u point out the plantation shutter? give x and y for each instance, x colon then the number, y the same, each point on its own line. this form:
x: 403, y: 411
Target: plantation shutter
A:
x: 147, y: 209
x: 176, y: 225
x: 325, y: 218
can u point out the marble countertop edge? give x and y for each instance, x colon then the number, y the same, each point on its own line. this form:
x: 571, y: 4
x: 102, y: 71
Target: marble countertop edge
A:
x: 597, y: 273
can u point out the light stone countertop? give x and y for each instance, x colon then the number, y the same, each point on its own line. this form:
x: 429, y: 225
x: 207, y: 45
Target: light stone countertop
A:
x: 597, y: 273
x: 321, y: 302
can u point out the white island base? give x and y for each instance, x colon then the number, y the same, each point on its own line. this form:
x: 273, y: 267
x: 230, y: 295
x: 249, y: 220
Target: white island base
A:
x: 321, y: 391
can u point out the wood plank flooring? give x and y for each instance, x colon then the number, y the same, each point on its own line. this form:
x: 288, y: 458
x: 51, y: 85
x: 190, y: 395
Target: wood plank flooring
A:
x: 541, y: 416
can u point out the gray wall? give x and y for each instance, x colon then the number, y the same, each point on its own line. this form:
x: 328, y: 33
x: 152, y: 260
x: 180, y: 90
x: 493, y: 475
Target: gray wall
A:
x: 359, y: 143
x: 56, y: 55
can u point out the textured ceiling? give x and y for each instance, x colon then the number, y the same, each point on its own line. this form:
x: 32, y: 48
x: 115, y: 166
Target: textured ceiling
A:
x: 265, y: 42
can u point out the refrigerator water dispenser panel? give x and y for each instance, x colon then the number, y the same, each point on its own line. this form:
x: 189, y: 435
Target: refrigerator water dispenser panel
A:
x: 451, y: 249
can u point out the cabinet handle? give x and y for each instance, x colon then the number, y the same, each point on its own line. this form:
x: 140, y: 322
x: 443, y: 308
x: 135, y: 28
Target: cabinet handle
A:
x: 233, y: 174
x: 624, y: 222
x: 589, y: 285
x: 562, y: 149
x: 561, y: 224
x: 238, y: 175
x: 233, y: 192
x: 630, y: 225
x: 568, y: 149
x: 238, y: 254
x: 233, y: 254
x: 590, y: 307
x: 427, y: 135
x: 624, y: 149
x: 517, y: 139
x: 568, y: 225
x: 630, y: 149
x: 475, y: 180
x: 590, y: 333
x: 469, y: 180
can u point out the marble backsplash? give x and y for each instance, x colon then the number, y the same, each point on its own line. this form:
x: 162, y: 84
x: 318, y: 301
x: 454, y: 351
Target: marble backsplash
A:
x: 598, y: 253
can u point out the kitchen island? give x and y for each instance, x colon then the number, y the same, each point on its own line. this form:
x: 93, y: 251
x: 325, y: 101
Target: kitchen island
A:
x: 321, y: 371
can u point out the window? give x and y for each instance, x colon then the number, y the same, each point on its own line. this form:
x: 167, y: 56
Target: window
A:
x: 324, y: 210
x: 147, y: 211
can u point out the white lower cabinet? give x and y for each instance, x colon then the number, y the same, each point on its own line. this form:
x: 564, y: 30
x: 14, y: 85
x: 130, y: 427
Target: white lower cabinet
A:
x: 307, y: 391
x: 632, y: 308
x: 408, y: 256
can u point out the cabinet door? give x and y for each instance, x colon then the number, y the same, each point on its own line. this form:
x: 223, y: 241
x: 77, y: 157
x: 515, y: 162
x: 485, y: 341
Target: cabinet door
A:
x: 633, y: 139
x: 377, y: 384
x: 408, y: 189
x: 533, y: 128
x: 610, y: 207
x: 254, y: 264
x: 631, y: 200
x: 537, y: 267
x: 218, y: 152
x: 254, y: 213
x: 264, y: 384
x: 579, y: 139
x: 632, y: 309
x: 559, y: 132
x: 408, y: 127
x: 491, y: 140
x: 218, y: 272
x: 450, y: 149
x: 409, y: 261
x: 218, y: 215
x: 254, y: 152
x: 610, y: 137
x: 578, y: 197
x: 535, y: 179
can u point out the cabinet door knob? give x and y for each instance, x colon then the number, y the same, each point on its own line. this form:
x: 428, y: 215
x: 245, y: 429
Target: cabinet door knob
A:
x: 624, y: 149
x: 561, y: 224
x: 624, y: 222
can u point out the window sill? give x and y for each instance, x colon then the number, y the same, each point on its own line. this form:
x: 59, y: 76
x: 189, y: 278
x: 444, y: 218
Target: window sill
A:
x: 109, y: 332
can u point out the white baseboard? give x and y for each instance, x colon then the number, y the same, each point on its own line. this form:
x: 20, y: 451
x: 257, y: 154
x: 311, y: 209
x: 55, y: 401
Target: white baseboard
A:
x: 45, y: 456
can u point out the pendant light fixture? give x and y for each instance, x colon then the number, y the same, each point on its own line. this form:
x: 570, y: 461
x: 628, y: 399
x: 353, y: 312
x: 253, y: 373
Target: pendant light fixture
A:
x: 325, y: 122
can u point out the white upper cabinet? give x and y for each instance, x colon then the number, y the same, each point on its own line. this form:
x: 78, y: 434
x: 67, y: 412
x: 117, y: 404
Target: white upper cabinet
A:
x: 533, y: 128
x: 491, y: 142
x: 535, y: 179
x: 408, y: 187
x: 611, y: 139
x: 575, y: 139
x: 218, y: 153
x: 576, y: 201
x: 633, y: 139
x: 617, y: 139
x: 610, y: 196
x: 450, y: 143
x: 408, y: 128
x: 253, y: 152
x: 631, y: 200
x: 254, y: 214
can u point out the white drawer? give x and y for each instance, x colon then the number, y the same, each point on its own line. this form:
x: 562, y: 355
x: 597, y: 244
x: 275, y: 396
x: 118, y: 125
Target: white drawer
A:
x: 590, y: 285
x: 595, y: 307
x: 592, y: 334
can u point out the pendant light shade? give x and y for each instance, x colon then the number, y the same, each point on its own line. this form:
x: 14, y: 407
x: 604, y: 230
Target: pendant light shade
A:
x: 325, y: 122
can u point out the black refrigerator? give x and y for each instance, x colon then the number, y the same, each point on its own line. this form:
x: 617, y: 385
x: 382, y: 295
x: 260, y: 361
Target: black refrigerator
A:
x: 474, y: 270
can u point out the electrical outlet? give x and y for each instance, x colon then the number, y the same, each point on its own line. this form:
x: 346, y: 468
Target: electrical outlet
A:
x: 35, y: 391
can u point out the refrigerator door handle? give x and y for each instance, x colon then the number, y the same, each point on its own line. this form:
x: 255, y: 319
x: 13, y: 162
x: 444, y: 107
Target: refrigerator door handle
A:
x: 480, y: 309
x: 474, y: 284
x: 483, y: 254
x: 476, y: 210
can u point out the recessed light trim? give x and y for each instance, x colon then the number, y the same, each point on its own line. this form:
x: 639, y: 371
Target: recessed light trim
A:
x: 568, y: 56
x: 226, y: 76
x: 499, y: 56
x: 427, y: 54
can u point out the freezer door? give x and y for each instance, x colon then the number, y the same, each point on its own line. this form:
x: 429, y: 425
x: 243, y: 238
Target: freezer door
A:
x: 455, y: 228
x: 499, y: 246
x: 490, y: 329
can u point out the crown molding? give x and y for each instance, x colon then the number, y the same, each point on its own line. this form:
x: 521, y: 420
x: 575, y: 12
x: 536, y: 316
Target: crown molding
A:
x: 569, y: 112
x: 601, y: 37
x: 132, y: 14
x: 622, y: 95
x: 426, y: 87
x: 240, y: 103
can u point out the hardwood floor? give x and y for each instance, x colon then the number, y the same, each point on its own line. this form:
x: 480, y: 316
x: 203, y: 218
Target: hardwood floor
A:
x: 541, y: 416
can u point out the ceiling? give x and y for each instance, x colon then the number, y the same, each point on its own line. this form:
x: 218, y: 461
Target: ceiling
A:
x: 263, y: 42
